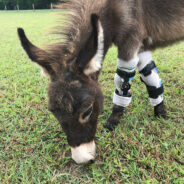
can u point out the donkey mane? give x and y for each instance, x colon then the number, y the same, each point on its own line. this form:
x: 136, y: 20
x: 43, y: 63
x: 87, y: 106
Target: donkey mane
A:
x: 77, y: 27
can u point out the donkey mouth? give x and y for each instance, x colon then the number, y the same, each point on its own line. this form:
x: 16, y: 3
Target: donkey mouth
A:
x: 85, y: 153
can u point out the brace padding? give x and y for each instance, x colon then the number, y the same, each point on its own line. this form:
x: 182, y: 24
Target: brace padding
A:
x: 144, y: 59
x: 155, y: 102
x: 128, y: 66
x: 148, y: 69
x: 123, y: 101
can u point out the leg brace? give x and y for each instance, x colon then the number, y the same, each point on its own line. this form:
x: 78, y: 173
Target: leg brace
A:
x: 124, y: 74
x: 149, y: 75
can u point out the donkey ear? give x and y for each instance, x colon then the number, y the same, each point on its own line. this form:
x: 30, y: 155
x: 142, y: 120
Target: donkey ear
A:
x: 95, y: 63
x: 35, y: 54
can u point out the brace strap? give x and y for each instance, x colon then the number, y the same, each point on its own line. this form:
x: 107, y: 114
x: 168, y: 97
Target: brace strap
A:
x: 153, y: 91
x: 148, y: 69
x: 125, y: 75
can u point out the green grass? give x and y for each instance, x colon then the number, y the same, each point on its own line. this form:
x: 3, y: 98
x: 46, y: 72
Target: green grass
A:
x: 33, y: 148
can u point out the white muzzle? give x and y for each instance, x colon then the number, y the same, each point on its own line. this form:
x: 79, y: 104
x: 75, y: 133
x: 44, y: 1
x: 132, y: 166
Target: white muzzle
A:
x: 84, y: 153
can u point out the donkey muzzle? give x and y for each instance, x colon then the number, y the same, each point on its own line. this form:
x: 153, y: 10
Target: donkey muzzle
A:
x: 85, y: 153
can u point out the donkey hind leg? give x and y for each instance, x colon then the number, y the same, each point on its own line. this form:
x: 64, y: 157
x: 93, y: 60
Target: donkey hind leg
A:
x: 149, y: 75
x: 122, y: 95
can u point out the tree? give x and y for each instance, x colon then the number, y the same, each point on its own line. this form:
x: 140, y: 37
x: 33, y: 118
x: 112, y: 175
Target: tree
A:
x: 26, y: 4
x: 8, y: 3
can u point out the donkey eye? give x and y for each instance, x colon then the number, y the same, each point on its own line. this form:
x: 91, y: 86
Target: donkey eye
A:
x: 87, y: 113
x: 84, y: 117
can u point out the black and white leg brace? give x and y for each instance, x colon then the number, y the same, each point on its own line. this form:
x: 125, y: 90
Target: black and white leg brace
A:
x: 124, y: 74
x: 149, y: 75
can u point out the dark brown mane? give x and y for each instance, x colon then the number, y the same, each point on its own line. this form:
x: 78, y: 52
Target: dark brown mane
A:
x: 76, y: 29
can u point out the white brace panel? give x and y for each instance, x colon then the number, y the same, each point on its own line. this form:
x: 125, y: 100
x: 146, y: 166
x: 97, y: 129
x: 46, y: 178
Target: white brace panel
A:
x: 121, y: 100
x: 118, y: 82
x: 153, y: 79
x: 144, y: 59
x: 128, y: 66
x: 155, y: 102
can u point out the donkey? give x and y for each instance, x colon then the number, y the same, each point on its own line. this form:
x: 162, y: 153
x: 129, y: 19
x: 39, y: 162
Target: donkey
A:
x: 74, y: 64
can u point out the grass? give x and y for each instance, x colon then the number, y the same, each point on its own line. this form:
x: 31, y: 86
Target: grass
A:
x: 33, y: 148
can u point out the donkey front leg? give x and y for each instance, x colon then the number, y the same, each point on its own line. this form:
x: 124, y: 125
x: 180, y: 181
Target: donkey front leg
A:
x: 122, y: 95
x: 149, y: 75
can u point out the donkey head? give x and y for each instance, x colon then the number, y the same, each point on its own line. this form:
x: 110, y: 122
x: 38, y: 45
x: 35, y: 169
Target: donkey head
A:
x: 75, y: 98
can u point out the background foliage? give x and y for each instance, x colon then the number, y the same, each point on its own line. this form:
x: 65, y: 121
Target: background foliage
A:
x: 25, y: 4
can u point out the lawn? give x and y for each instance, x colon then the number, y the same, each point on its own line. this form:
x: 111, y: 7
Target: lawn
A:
x: 33, y: 148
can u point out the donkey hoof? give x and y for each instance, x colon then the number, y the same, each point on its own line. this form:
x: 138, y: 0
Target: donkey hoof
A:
x: 111, y: 125
x: 160, y: 110
x: 114, y: 119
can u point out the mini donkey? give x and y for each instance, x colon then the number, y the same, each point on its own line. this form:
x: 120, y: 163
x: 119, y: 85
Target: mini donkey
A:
x: 135, y: 27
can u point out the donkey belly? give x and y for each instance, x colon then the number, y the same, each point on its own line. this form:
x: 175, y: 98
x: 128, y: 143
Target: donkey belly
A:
x: 164, y: 21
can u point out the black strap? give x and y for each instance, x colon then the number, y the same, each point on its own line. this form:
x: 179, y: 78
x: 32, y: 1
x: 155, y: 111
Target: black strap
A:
x: 125, y: 75
x: 153, y: 91
x: 148, y: 68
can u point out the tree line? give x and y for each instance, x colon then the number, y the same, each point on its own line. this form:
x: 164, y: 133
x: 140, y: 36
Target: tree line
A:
x: 26, y: 4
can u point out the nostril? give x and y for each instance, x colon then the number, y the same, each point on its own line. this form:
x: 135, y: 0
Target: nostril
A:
x: 91, y: 161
